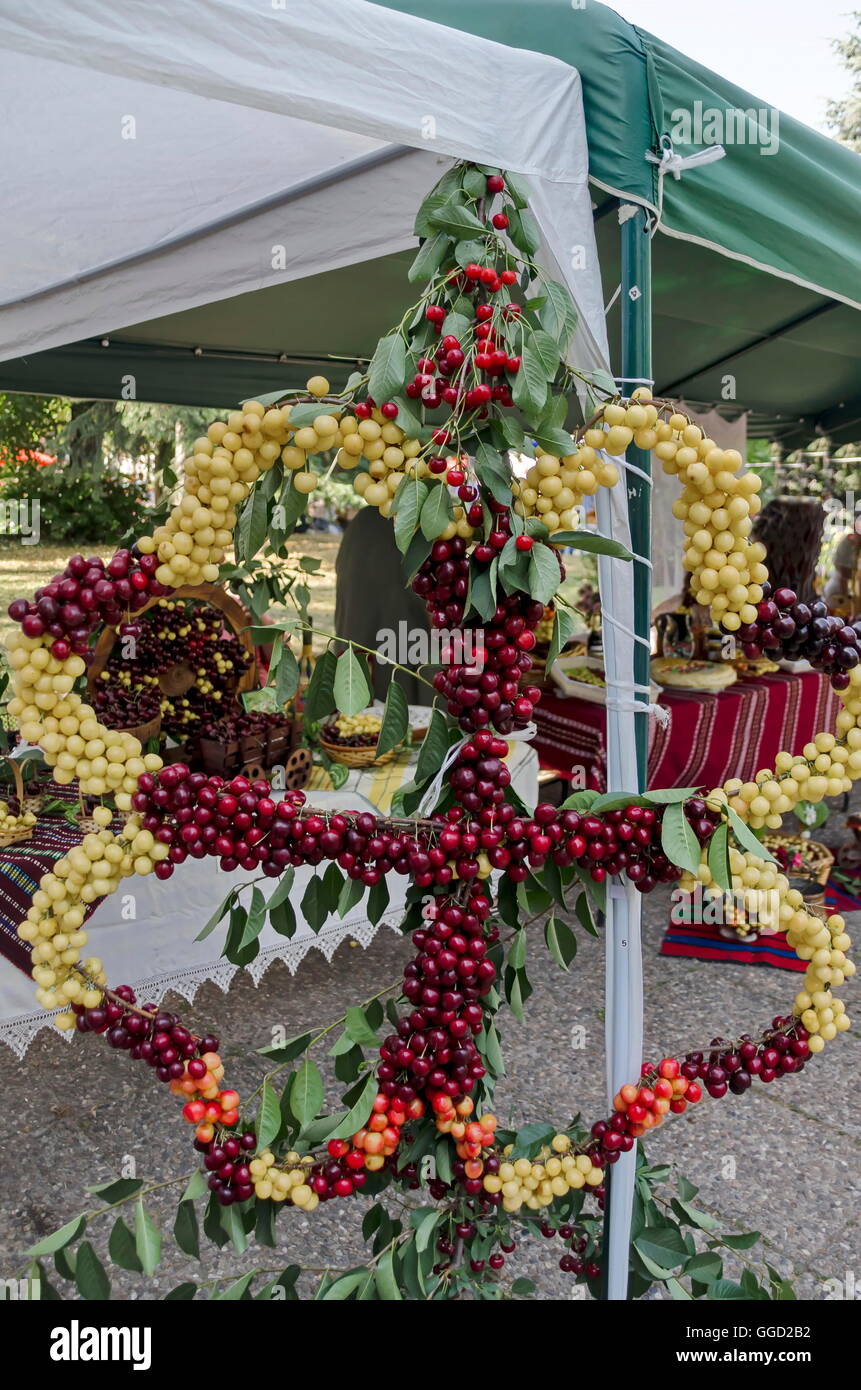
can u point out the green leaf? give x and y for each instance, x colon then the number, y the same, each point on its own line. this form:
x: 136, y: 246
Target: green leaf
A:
x: 424, y: 1224
x: 530, y: 1139
x: 306, y: 1092
x: 718, y: 857
x: 378, y: 901
x: 544, y: 576
x: 407, y: 419
x: 147, y: 1239
x: 457, y: 221
x: 286, y: 1052
x: 482, y: 589
x: 563, y: 626
x: 315, y: 907
x: 523, y: 231
x: 410, y: 498
x: 494, y: 473
x: 234, y: 1226
x: 678, y: 840
x: 117, y: 1190
x: 723, y: 1290
x: 561, y: 942
x: 121, y: 1247
x: 254, y: 920
x: 530, y: 385
x: 546, y: 350
x: 396, y: 719
x: 744, y: 1241
x: 517, y: 950
x: 90, y: 1275
x: 746, y: 839
x: 433, y: 747
x: 692, y: 1216
x: 185, y: 1230
x: 663, y: 1246
x: 436, y: 512
x: 584, y: 914
x: 236, y: 1290
x: 458, y: 325
x: 59, y: 1239
x: 387, y: 1284
x: 217, y: 915
x: 347, y: 1285
x: 320, y: 692
x: 352, y: 892
x: 388, y: 368
x: 268, y: 1116
x: 182, y: 1293
x: 558, y: 315
x: 253, y: 523
x: 352, y: 687
x: 704, y: 1268
x: 552, y: 439
x: 282, y: 919
x: 356, y: 1117
x: 667, y: 796
x: 287, y: 673
x: 284, y: 889
x: 430, y: 257
x: 595, y: 545
x: 468, y: 252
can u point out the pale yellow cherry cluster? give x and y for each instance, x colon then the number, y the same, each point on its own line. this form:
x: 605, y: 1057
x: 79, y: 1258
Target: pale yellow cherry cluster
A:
x: 283, y: 1184
x: 536, y: 1182
x: 824, y: 945
x: 10, y: 821
x: 717, y: 507
x: 54, y: 925
x: 51, y: 714
x: 554, y: 488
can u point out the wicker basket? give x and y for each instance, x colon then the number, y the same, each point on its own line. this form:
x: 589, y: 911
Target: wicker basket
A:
x: 144, y: 732
x: 356, y: 757
x: 14, y: 837
x: 817, y: 859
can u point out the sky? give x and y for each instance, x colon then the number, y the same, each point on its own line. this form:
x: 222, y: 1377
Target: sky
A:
x: 778, y: 50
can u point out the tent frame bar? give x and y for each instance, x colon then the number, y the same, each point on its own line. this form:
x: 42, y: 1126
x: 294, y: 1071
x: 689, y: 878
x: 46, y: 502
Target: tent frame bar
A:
x: 623, y: 1018
x: 282, y: 198
x: 761, y: 341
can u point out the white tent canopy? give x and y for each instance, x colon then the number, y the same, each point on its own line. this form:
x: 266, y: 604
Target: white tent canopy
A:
x: 158, y: 155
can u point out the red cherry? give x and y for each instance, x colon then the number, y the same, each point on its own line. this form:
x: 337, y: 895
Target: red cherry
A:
x: 524, y: 543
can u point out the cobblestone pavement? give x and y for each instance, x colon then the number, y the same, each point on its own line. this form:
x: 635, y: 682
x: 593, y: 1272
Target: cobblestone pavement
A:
x: 782, y: 1159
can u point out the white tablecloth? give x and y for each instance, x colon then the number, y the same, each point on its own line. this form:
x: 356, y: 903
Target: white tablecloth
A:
x: 145, y: 931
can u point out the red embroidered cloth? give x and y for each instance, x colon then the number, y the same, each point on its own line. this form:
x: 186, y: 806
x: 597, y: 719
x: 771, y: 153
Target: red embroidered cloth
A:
x: 710, y: 737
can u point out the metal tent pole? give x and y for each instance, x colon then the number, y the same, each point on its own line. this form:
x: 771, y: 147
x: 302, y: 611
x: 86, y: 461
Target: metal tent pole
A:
x: 624, y: 977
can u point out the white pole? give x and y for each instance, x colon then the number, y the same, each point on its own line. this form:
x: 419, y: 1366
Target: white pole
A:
x: 623, y: 1002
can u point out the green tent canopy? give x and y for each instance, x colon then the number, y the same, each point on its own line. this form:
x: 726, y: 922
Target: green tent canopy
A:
x: 756, y: 258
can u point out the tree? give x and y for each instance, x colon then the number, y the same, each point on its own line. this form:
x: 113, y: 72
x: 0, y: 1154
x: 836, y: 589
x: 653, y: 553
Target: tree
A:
x: 844, y: 116
x: 28, y: 422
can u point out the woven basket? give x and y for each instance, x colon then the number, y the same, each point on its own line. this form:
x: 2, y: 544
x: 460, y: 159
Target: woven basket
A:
x: 817, y: 859
x: 356, y: 757
x: 14, y: 837
x: 144, y: 732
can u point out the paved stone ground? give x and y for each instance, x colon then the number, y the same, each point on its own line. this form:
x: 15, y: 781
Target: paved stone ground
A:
x: 781, y: 1160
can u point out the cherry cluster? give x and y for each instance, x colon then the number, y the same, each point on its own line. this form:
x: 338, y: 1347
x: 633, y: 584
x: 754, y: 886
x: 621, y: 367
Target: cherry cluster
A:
x: 803, y: 631
x: 573, y: 1262
x: 486, y: 689
x: 85, y: 595
x: 123, y: 707
x: 781, y: 1051
x: 170, y: 633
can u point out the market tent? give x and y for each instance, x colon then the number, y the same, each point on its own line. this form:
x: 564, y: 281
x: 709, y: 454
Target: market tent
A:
x: 756, y: 264
x: 768, y: 240
x: 175, y: 180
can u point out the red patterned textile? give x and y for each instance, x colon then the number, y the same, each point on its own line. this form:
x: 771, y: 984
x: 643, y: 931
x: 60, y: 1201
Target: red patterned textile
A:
x: 710, y: 737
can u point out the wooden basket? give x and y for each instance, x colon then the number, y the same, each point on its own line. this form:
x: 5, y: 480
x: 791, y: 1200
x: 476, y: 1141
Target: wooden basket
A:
x: 14, y: 837
x: 356, y: 757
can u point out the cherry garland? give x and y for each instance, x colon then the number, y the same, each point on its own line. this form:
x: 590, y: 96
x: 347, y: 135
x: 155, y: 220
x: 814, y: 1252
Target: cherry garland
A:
x: 431, y: 1061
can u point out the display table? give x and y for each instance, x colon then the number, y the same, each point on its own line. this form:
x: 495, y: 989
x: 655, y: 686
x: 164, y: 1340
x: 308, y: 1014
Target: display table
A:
x: 709, y: 737
x: 145, y: 931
